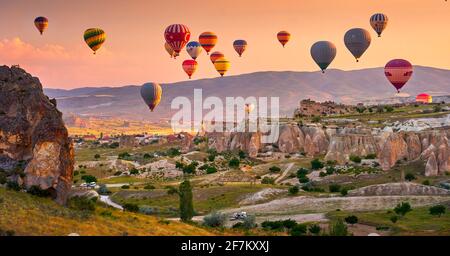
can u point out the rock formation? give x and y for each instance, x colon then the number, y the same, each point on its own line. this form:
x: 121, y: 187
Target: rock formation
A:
x: 393, y: 150
x: 291, y: 139
x: 343, y: 146
x: 399, y: 189
x: 34, y: 146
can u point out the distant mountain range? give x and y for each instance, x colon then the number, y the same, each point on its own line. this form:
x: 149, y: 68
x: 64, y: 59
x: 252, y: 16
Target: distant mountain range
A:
x: 349, y: 87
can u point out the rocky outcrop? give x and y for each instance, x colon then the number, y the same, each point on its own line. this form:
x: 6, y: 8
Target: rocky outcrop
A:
x: 399, y: 189
x: 34, y: 146
x: 393, y: 150
x: 291, y: 139
x: 343, y: 146
x: 316, y: 141
x: 187, y: 143
x: 414, y: 146
x: 249, y: 142
x: 431, y: 169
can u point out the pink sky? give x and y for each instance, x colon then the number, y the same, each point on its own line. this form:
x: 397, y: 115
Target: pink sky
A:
x: 134, y: 53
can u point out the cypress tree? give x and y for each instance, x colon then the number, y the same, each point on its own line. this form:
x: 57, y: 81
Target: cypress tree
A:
x: 186, y: 203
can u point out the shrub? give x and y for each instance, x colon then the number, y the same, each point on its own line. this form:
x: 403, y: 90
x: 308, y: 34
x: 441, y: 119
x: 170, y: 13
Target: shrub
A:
x: 82, y: 203
x: 234, y: 163
x: 371, y: 156
x: 389, y: 109
x: 316, y: 164
x: 410, y: 177
x: 302, y: 172
x: 355, y: 159
x: 173, y: 152
x: 298, y: 230
x: 149, y: 187
x: 403, y: 208
x: 303, y: 179
x: 89, y: 178
x: 275, y: 169
x: 37, y: 191
x: 344, y: 191
x: 190, y: 168
x: 294, y: 190
x: 125, y: 187
x: 273, y: 225
x: 316, y: 119
x: 249, y: 222
x: 334, y: 188
x: 352, y: 219
x: 394, y: 219
x: 338, y: 228
x: 330, y: 170
x: 76, y: 173
x: 103, y: 190
x: 129, y: 207
x: 97, y: 156
x: 12, y: 185
x: 426, y: 183
x: 242, y: 154
x: 214, y: 220
x: 314, y: 229
x: 211, y: 169
x: 268, y: 180
x: 322, y: 174
x: 437, y: 210
x: 134, y: 171
x: 289, y: 224
x: 124, y: 156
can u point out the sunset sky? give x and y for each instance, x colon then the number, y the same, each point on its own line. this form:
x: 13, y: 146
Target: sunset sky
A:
x: 418, y: 30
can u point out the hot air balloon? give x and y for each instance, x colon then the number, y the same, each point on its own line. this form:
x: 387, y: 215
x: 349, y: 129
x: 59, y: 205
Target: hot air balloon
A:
x: 357, y: 41
x: 208, y: 40
x: 222, y: 65
x: 151, y: 94
x: 216, y: 55
x: 177, y: 36
x: 194, y: 49
x: 379, y: 22
x: 323, y: 53
x: 240, y: 46
x: 170, y: 51
x: 424, y: 98
x: 94, y: 38
x: 41, y: 24
x: 398, y: 72
x: 284, y: 37
x: 249, y: 108
x: 190, y: 66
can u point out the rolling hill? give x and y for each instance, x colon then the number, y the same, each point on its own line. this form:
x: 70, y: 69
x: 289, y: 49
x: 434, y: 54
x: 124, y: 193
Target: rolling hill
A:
x: 336, y: 85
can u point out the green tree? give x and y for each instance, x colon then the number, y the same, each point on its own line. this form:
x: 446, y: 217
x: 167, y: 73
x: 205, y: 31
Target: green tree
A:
x: 394, y: 219
x: 234, y: 163
x: 316, y: 164
x: 410, y: 177
x: 242, y: 154
x: 97, y: 156
x: 403, y: 208
x: 437, y: 210
x: 89, y: 178
x: 338, y: 228
x: 275, y: 169
x: 294, y: 190
x: 299, y: 230
x: 314, y: 229
x: 355, y: 159
x: 334, y: 188
x: 186, y: 201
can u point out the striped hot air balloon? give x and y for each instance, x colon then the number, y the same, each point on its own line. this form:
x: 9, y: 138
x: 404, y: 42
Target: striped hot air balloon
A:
x: 398, y: 72
x: 283, y: 37
x: 357, y: 41
x: 194, y: 49
x: 94, y: 38
x: 190, y: 66
x: 222, y: 65
x: 41, y: 24
x: 208, y: 40
x: 177, y: 36
x: 216, y: 55
x: 240, y: 46
x: 424, y: 98
x: 170, y: 51
x: 151, y: 93
x: 323, y: 53
x: 379, y: 23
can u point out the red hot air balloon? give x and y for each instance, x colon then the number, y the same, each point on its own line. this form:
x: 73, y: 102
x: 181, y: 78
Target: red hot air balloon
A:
x: 190, y: 66
x: 216, y: 55
x: 177, y: 36
x: 398, y: 72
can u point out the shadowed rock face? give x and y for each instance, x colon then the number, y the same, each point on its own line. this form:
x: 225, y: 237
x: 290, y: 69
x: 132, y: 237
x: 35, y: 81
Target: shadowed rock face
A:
x: 33, y: 139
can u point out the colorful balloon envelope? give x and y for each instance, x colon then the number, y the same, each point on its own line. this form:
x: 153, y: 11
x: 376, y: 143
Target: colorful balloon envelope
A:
x: 194, y: 49
x: 249, y: 108
x: 151, y: 93
x: 190, y: 66
x: 398, y: 72
x: 222, y: 65
x: 94, y: 38
x: 240, y: 46
x: 41, y: 24
x: 357, y: 41
x: 283, y: 37
x: 424, y: 98
x: 379, y: 23
x: 208, y: 40
x: 216, y: 55
x: 323, y: 53
x: 170, y: 51
x: 177, y: 36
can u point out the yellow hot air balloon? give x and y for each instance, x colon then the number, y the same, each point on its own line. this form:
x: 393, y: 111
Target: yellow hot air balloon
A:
x: 94, y: 38
x: 222, y: 65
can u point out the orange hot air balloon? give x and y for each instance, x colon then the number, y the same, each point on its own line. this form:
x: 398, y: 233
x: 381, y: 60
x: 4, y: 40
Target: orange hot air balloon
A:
x: 424, y: 98
x: 208, y: 40
x: 190, y: 66
x: 216, y: 55
x: 284, y: 37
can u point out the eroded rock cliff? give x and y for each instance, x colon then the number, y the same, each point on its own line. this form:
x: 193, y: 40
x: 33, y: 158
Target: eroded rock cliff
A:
x: 34, y: 146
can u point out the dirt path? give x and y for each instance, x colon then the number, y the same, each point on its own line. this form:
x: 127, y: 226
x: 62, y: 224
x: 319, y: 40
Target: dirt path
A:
x: 285, y: 172
x: 107, y: 200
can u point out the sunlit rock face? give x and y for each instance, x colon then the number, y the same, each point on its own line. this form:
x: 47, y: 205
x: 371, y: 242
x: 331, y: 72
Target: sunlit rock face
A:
x: 34, y: 146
